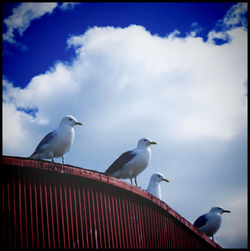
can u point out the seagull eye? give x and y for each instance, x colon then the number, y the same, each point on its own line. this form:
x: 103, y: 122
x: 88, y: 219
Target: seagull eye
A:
x: 70, y: 119
x: 159, y: 176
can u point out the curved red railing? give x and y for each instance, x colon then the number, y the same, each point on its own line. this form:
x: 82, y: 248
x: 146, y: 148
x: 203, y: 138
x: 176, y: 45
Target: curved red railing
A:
x: 47, y: 205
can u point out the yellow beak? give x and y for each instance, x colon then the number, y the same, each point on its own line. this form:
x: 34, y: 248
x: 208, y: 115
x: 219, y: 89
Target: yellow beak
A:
x: 166, y: 180
x: 78, y: 123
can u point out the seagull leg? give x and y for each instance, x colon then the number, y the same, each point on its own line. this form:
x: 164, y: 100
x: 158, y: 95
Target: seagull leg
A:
x: 131, y: 180
x: 135, y: 181
x: 63, y: 160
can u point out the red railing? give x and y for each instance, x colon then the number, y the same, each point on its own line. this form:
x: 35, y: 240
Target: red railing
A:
x: 47, y: 205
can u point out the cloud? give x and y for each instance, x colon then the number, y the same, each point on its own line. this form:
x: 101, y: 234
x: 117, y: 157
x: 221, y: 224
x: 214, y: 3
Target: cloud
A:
x: 66, y: 6
x: 236, y: 16
x: 13, y: 130
x: 25, y: 13
x: 192, y: 88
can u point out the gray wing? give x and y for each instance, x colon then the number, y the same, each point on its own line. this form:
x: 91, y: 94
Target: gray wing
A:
x: 120, y: 162
x: 201, y: 221
x: 45, y: 141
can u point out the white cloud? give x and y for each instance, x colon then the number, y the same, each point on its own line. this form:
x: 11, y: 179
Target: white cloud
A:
x: 15, y: 130
x: 236, y: 15
x: 69, y: 5
x: 212, y: 35
x: 192, y: 88
x: 25, y: 13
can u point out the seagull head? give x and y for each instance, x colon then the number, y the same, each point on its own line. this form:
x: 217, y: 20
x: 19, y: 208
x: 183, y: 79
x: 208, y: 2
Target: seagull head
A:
x: 145, y: 142
x: 157, y: 178
x: 69, y: 120
x: 218, y: 210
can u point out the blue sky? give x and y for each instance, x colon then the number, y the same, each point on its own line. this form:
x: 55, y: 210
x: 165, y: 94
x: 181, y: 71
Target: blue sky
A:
x: 158, y: 18
x: 173, y: 72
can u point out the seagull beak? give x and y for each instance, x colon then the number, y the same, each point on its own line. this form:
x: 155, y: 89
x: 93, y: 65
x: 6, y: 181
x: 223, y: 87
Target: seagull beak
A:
x: 165, y: 180
x: 226, y: 211
x: 78, y: 123
x: 153, y: 143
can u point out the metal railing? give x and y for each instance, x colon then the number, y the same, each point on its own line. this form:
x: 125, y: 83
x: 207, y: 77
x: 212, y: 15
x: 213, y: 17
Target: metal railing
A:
x: 47, y: 205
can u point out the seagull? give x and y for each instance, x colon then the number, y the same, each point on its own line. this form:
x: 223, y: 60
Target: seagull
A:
x: 133, y: 162
x: 56, y: 143
x: 154, y: 184
x: 209, y: 223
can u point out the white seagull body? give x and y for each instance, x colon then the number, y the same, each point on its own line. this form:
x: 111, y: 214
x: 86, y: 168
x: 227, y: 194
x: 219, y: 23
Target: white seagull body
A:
x: 56, y: 143
x: 209, y: 223
x: 154, y: 186
x: 132, y: 163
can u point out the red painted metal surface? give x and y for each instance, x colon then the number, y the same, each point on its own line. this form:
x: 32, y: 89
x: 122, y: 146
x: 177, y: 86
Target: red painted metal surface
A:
x: 47, y: 205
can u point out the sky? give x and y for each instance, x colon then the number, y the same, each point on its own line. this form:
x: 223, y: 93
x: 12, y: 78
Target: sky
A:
x: 173, y: 72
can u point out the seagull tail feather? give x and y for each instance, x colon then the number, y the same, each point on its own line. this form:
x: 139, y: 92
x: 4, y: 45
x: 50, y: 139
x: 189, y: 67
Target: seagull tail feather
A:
x: 34, y: 155
x: 107, y: 172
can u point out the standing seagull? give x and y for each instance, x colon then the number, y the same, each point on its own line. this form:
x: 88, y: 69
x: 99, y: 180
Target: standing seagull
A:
x: 133, y: 162
x: 209, y: 223
x: 56, y: 143
x: 154, y: 184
